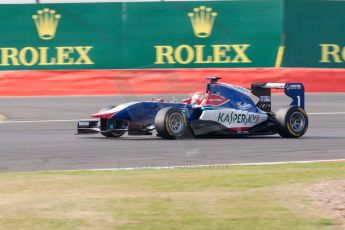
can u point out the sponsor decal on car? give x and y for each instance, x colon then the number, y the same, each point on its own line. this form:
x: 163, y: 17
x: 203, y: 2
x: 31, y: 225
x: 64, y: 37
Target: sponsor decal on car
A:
x: 265, y: 98
x: 233, y: 118
x: 243, y: 105
x: 239, y: 118
x: 83, y: 123
x: 293, y: 86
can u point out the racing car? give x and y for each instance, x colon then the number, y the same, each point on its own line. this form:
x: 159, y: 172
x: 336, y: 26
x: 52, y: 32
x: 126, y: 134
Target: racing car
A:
x: 221, y: 110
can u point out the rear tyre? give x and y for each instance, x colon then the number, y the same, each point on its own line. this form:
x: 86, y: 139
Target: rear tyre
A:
x: 291, y: 122
x: 171, y: 123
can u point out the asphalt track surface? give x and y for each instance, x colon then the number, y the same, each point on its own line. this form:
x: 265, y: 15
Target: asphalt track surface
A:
x: 39, y: 134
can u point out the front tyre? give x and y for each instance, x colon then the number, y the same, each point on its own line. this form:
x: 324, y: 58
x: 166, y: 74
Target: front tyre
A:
x: 117, y: 124
x: 113, y: 133
x: 171, y: 123
x: 291, y: 122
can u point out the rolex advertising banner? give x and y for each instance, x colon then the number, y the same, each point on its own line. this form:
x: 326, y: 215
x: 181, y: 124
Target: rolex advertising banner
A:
x: 315, y: 33
x: 146, y: 35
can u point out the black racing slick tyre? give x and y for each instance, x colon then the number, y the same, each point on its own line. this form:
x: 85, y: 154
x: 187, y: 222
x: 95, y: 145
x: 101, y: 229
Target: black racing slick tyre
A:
x: 171, y: 123
x: 113, y: 133
x: 291, y: 122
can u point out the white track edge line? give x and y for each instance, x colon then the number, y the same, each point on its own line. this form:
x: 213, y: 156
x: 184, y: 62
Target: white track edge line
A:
x: 192, y: 166
x: 39, y: 121
x: 327, y: 113
x: 218, y: 165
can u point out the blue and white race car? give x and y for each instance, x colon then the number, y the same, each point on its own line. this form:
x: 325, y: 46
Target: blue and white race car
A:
x: 221, y: 110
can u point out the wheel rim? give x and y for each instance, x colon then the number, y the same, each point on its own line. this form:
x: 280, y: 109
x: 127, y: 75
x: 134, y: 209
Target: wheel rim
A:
x: 297, y: 122
x: 117, y: 133
x: 176, y: 123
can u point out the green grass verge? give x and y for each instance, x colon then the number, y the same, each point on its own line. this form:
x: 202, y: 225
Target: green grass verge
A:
x: 238, y: 197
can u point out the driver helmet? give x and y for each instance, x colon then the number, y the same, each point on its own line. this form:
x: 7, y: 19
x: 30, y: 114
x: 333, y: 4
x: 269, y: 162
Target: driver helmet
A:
x: 198, y: 97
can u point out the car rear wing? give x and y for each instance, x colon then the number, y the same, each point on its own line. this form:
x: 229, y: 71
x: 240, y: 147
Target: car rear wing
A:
x: 263, y: 91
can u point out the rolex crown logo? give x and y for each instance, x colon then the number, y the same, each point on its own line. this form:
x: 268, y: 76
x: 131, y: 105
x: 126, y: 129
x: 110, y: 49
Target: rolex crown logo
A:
x: 202, y: 20
x: 46, y: 22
